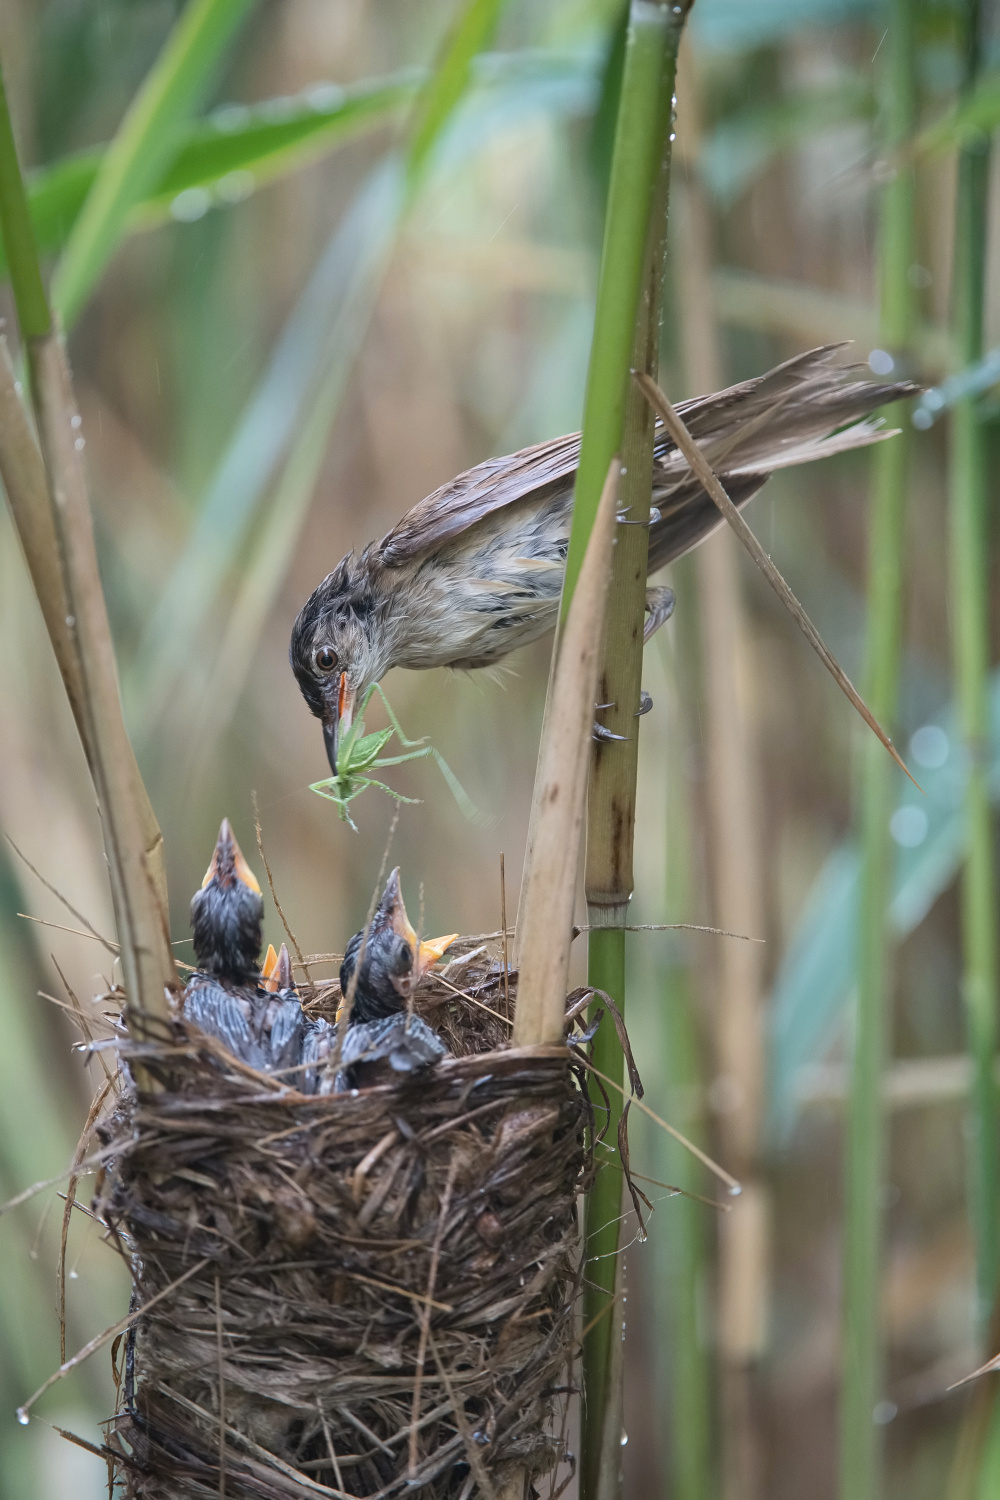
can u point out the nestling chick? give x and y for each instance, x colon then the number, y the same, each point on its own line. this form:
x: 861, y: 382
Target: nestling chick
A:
x: 475, y: 570
x: 394, y: 962
x: 376, y: 985
x: 227, y: 916
x: 282, y: 1024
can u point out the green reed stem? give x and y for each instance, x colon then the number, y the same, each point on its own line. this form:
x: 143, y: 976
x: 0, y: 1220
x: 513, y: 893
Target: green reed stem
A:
x: 33, y: 317
x: 626, y: 335
x: 860, y: 1450
x: 641, y: 135
x: 970, y: 613
x: 681, y: 1243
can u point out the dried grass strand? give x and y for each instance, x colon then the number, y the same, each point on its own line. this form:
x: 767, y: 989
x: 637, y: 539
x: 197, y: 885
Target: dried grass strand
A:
x: 696, y: 1151
x: 293, y: 940
x: 425, y: 1320
x: 102, y: 1338
x: 78, y: 1156
x: 91, y: 929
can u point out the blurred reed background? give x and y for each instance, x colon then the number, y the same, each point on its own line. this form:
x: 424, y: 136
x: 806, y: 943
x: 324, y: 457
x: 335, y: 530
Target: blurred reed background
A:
x: 277, y: 362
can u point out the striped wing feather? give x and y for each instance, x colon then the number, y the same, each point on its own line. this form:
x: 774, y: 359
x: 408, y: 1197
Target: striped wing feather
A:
x: 805, y: 409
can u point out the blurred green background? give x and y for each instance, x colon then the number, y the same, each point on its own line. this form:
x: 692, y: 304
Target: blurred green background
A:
x: 276, y: 363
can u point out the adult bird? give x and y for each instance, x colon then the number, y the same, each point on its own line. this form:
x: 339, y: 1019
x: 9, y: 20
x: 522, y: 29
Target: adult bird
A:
x: 227, y: 915
x: 475, y: 569
x: 382, y: 967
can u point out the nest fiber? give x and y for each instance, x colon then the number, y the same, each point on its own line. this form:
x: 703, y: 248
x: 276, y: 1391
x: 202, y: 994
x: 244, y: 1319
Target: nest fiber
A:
x: 354, y: 1295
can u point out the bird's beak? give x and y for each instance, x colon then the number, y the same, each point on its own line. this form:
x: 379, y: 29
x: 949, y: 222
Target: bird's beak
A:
x: 337, y: 723
x: 430, y: 951
x: 277, y: 970
x: 228, y: 862
x: 425, y: 954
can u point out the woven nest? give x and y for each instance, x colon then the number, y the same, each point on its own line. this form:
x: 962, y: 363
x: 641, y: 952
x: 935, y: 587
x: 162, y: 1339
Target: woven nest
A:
x: 366, y: 1293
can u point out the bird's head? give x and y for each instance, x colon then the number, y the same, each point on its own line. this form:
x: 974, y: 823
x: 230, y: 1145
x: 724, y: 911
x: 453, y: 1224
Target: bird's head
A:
x: 394, y: 962
x: 227, y: 913
x: 338, y: 650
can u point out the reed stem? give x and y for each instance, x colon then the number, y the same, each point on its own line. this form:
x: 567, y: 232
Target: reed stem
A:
x: 626, y: 336
x: 860, y: 1450
x: 736, y: 885
x: 970, y: 613
x: 48, y: 497
x: 976, y: 1466
x: 681, y: 1243
x: 33, y: 316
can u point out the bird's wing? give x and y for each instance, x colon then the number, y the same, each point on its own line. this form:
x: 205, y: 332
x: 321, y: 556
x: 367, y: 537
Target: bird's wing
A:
x: 316, y: 1044
x: 688, y: 514
x: 286, y: 1034
x: 407, y: 1042
x: 417, y: 1046
x: 216, y: 1012
x: 792, y: 414
x: 477, y: 493
x: 806, y: 409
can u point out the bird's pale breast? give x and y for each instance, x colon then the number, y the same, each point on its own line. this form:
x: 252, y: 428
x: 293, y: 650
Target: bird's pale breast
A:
x: 496, y: 588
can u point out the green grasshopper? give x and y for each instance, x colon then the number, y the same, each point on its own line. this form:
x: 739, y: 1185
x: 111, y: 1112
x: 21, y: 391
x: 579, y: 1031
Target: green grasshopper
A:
x: 358, y: 753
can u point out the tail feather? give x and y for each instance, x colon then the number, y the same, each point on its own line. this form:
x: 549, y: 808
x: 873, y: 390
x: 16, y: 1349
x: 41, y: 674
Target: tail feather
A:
x: 805, y: 409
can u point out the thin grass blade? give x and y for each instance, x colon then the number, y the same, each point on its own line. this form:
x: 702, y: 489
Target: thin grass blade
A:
x: 146, y: 142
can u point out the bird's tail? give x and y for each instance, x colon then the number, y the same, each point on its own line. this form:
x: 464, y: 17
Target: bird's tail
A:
x: 807, y: 408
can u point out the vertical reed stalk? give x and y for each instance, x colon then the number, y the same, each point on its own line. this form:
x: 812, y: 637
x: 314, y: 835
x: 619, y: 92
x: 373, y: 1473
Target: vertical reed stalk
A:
x: 626, y: 335
x: 970, y: 613
x: 48, y: 499
x: 860, y: 1450
x: 976, y: 1466
x: 736, y: 884
x: 680, y: 1244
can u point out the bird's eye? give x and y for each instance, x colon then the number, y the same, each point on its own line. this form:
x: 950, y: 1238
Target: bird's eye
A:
x: 326, y: 659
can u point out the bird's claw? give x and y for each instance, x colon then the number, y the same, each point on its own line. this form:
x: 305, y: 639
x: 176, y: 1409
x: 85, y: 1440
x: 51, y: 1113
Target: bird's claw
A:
x: 654, y: 516
x: 600, y: 733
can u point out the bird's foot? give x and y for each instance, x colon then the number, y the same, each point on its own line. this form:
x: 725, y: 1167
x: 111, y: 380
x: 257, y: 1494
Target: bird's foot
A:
x: 624, y: 519
x: 600, y: 733
x: 659, y: 608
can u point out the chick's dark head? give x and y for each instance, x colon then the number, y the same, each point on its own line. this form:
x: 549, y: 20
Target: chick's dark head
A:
x: 394, y: 959
x: 227, y: 914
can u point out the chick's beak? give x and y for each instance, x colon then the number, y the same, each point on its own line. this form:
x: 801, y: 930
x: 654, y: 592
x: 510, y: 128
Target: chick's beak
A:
x: 425, y: 954
x: 338, y: 720
x: 430, y: 951
x: 228, y: 862
x: 268, y: 967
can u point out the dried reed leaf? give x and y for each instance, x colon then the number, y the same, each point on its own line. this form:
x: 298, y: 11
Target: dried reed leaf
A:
x: 701, y: 467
